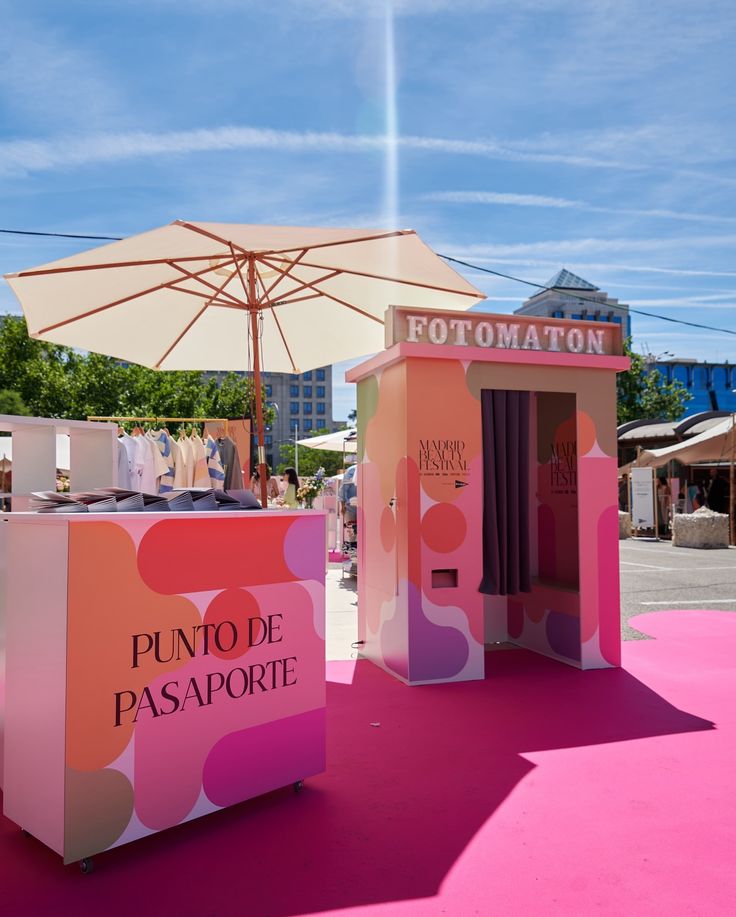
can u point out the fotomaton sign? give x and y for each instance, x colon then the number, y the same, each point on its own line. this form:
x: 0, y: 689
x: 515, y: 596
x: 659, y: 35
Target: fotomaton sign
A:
x: 502, y: 332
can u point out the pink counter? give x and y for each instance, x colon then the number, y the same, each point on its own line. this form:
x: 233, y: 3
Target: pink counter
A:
x: 158, y: 668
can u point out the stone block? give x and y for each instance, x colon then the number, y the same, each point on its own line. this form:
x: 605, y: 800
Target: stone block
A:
x: 624, y: 525
x: 701, y: 529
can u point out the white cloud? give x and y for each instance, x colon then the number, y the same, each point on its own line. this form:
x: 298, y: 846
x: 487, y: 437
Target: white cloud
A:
x: 65, y: 151
x: 582, y: 266
x: 359, y: 9
x: 682, y: 303
x: 60, y: 152
x: 567, y: 248
x: 557, y: 203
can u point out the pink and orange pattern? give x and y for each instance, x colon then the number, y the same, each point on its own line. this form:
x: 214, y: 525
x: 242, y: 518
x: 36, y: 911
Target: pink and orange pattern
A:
x: 421, y: 616
x: 141, y: 576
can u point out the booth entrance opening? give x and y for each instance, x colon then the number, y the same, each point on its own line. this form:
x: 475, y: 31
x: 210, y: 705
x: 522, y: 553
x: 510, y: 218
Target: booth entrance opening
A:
x: 488, y: 493
x: 529, y: 491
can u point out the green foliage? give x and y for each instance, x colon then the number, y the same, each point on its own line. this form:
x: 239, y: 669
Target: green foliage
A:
x: 12, y: 403
x: 55, y: 381
x: 644, y: 394
x: 310, y: 460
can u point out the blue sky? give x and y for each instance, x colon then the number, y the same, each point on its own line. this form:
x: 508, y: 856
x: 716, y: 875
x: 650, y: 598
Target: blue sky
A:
x: 532, y: 135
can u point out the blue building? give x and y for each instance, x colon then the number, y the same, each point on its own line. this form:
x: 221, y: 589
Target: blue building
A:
x: 710, y: 384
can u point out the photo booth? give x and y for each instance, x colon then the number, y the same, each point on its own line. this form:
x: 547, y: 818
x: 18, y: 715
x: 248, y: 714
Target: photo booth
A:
x: 488, y: 509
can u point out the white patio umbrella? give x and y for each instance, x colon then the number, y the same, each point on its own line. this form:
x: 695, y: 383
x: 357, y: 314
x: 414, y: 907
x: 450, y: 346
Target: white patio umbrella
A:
x: 340, y: 441
x: 345, y: 441
x: 226, y: 296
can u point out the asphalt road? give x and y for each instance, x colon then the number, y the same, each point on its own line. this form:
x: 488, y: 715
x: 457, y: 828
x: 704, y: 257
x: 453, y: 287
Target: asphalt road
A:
x: 655, y: 576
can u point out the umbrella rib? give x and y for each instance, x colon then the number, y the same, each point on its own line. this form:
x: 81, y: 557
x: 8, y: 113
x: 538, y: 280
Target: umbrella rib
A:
x: 41, y: 272
x: 341, y: 302
x: 283, y: 339
x: 210, y: 235
x: 199, y: 314
x: 283, y: 274
x: 281, y: 251
x: 211, y: 286
x: 288, y: 302
x: 302, y: 284
x: 412, y: 283
x: 383, y: 235
x: 224, y: 304
x: 118, y: 302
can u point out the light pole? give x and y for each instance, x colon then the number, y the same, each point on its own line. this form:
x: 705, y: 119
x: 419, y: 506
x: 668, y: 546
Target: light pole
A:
x: 651, y: 358
x: 296, y: 447
x: 269, y: 429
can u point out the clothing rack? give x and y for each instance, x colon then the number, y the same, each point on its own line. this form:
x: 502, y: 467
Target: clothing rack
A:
x: 202, y: 420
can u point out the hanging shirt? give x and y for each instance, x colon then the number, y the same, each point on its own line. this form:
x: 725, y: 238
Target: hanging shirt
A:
x: 214, y: 465
x: 230, y: 463
x: 201, y: 477
x: 153, y: 465
x: 179, y: 474
x: 162, y: 441
x: 135, y: 461
x: 185, y: 467
x: 123, y: 466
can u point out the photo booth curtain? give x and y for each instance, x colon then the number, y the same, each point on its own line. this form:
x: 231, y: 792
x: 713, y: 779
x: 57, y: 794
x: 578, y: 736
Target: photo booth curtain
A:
x: 505, y: 417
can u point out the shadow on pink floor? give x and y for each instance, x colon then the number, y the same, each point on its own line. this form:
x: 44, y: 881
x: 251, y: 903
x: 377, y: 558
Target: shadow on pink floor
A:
x: 541, y: 790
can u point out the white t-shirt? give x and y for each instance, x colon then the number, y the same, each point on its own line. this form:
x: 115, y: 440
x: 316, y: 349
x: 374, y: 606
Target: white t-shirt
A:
x: 152, y: 464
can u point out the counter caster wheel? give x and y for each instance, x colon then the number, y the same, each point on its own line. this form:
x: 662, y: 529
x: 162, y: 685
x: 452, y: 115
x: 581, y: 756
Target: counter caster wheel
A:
x: 298, y: 786
x: 86, y: 866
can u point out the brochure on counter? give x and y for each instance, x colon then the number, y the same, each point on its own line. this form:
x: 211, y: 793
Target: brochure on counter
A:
x: 119, y: 500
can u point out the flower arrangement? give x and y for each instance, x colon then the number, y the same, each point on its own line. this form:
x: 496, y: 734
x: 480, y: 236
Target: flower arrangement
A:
x: 311, y: 488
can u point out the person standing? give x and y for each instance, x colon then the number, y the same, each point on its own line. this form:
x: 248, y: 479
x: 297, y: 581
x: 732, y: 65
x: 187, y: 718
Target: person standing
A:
x: 717, y: 496
x: 291, y: 481
x: 272, y: 485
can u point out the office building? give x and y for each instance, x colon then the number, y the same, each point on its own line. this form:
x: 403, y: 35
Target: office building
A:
x: 710, y: 384
x: 578, y: 299
x: 303, y: 403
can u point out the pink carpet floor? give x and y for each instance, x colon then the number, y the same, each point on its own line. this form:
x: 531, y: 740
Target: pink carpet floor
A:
x: 541, y: 790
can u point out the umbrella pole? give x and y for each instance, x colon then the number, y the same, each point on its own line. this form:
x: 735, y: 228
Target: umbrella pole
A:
x: 252, y: 303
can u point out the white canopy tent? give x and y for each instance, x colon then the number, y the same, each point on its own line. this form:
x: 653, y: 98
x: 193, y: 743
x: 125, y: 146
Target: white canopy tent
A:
x: 718, y: 444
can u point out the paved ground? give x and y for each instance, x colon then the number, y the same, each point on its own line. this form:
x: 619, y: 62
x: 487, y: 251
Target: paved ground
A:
x: 342, y: 613
x: 654, y: 576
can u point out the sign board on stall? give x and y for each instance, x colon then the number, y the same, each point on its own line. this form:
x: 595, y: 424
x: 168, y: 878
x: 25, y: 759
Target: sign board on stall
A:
x: 502, y: 332
x: 642, y: 498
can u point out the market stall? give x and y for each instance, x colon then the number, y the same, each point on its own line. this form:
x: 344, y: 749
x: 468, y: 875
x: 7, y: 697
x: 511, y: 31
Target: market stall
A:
x: 159, y: 667
x: 488, y: 492
x: 39, y: 446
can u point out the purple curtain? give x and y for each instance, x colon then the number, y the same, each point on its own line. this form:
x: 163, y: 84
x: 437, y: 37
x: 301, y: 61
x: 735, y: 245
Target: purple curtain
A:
x: 505, y: 417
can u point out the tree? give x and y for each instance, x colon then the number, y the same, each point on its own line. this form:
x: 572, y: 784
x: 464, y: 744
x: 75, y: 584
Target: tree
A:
x: 12, y: 403
x: 55, y: 381
x: 643, y: 393
x: 310, y: 460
